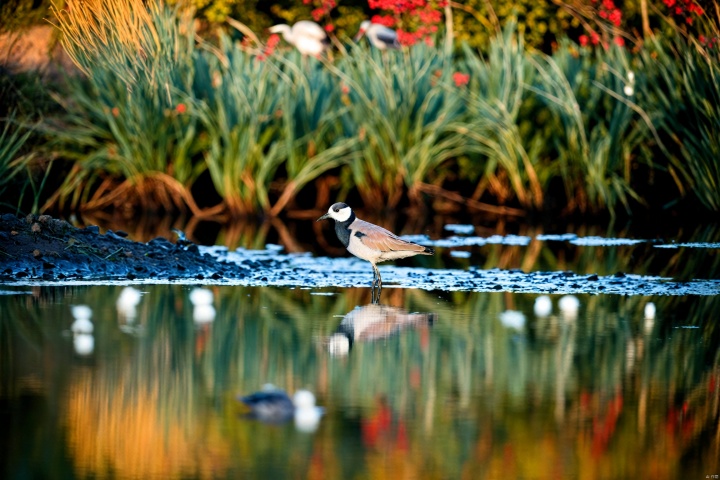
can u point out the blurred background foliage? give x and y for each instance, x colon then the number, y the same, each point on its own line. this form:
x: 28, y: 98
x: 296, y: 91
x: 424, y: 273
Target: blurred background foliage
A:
x: 556, y: 106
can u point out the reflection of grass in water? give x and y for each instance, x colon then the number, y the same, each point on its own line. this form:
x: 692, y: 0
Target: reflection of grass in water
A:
x: 600, y: 393
x: 120, y: 427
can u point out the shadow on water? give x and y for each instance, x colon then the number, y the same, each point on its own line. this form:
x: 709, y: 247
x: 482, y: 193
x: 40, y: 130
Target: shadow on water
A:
x: 437, y: 384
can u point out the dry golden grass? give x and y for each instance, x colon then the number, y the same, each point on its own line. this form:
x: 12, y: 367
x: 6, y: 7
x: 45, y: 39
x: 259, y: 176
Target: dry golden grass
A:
x: 94, y: 28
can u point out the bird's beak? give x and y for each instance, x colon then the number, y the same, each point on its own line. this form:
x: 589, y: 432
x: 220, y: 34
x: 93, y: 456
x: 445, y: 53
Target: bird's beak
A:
x: 359, y: 35
x: 327, y: 215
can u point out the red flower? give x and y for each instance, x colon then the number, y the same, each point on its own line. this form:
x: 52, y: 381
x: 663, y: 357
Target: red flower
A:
x: 345, y: 89
x: 461, y: 79
x: 115, y: 112
x: 273, y: 40
x: 619, y: 41
x: 329, y: 28
x: 386, y: 20
x: 583, y: 39
x: 318, y: 13
x: 181, y: 108
x: 406, y: 38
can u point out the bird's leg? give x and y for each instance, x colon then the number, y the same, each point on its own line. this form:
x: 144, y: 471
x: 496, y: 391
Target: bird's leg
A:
x: 377, y: 280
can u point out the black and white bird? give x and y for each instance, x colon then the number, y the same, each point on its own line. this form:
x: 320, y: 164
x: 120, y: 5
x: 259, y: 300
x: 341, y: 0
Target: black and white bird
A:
x: 370, y: 242
x: 273, y: 405
x: 308, y: 37
x: 380, y: 36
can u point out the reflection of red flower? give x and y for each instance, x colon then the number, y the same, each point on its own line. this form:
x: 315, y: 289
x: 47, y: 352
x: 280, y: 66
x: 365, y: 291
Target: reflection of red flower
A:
x: 345, y: 89
x: 461, y: 79
x: 115, y: 111
x: 181, y: 108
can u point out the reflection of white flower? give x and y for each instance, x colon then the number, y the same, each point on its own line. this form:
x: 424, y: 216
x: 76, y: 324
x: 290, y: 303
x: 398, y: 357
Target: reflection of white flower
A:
x: 650, y: 310
x: 569, y: 306
x: 628, y: 90
x: 84, y: 343
x: 512, y: 319
x: 542, y: 306
x: 201, y: 296
x: 631, y: 76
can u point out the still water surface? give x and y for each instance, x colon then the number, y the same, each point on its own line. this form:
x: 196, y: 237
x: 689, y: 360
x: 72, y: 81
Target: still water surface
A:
x: 464, y: 389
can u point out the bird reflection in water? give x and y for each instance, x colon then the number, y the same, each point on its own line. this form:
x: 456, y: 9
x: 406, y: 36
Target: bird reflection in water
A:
x: 273, y: 405
x: 373, y: 322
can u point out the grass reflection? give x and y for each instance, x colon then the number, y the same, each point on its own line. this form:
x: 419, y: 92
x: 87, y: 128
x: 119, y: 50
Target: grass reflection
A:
x: 608, y: 394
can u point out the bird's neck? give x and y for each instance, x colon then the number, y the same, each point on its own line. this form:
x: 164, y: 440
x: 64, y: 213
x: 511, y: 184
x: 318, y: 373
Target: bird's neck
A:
x: 342, y: 229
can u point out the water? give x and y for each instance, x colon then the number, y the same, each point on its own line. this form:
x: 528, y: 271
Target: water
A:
x: 465, y: 389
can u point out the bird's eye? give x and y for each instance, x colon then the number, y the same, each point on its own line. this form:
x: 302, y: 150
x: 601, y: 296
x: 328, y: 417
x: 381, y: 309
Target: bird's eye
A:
x: 336, y: 210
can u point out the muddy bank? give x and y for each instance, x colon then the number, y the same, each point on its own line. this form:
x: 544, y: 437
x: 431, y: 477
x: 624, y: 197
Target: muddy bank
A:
x: 44, y: 248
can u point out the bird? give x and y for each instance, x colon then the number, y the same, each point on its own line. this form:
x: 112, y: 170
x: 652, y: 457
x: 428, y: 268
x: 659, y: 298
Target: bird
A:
x: 373, y: 322
x: 308, y: 37
x: 370, y: 242
x: 273, y: 405
x: 380, y: 36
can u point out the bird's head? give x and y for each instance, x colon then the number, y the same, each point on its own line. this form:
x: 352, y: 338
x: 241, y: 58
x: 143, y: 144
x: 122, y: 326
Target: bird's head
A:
x: 339, y: 212
x: 280, y: 28
x: 363, y: 28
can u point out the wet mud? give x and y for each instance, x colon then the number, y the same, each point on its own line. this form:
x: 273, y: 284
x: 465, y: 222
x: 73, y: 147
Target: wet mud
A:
x: 42, y: 250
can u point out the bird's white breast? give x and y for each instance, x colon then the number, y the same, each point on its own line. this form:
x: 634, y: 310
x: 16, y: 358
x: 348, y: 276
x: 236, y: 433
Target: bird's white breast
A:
x: 360, y: 250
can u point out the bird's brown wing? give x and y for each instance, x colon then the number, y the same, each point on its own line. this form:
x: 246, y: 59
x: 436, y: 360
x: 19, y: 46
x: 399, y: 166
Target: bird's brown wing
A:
x: 378, y: 238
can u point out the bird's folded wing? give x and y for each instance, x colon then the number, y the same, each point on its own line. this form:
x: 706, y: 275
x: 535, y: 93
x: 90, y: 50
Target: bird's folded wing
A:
x: 378, y: 238
x: 387, y: 36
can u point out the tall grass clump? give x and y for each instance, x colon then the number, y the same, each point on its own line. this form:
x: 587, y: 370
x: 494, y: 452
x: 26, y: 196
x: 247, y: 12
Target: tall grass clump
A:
x: 501, y: 156
x: 12, y: 161
x: 400, y: 109
x: 272, y: 126
x: 596, y: 128
x: 127, y: 130
x: 683, y: 90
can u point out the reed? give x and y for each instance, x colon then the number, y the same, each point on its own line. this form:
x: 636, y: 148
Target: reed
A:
x: 127, y: 130
x: 597, y: 128
x: 682, y: 88
x: 399, y: 106
x: 14, y: 162
x: 496, y: 143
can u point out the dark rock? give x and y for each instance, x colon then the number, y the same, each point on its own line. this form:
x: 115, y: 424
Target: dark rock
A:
x: 91, y: 230
x: 593, y: 278
x: 160, y: 242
